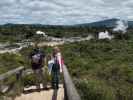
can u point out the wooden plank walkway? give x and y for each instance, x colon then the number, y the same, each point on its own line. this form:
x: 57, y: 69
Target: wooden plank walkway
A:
x: 67, y: 90
x: 43, y: 95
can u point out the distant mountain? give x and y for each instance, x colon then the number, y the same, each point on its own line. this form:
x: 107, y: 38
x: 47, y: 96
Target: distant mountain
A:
x: 109, y: 23
x: 33, y: 25
x: 130, y: 23
x: 105, y: 23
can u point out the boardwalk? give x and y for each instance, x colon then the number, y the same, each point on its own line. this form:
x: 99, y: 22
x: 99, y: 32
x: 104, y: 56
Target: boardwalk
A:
x: 67, y: 90
x: 43, y: 95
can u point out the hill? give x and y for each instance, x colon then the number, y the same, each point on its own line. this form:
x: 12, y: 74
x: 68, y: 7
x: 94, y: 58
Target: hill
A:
x: 109, y: 23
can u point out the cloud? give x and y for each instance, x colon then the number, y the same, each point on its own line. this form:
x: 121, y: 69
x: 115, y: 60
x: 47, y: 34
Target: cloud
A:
x: 63, y: 11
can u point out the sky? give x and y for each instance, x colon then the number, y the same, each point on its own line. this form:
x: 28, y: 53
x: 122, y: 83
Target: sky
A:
x: 63, y: 12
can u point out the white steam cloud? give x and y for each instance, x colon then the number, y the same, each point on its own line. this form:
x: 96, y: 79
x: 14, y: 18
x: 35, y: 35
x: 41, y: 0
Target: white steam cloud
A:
x: 41, y: 33
x: 104, y: 35
x: 121, y: 26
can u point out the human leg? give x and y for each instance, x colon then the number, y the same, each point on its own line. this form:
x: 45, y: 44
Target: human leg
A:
x: 37, y: 80
x: 57, y: 80
x: 42, y: 78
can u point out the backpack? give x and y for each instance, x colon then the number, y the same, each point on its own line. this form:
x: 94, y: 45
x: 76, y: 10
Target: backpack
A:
x: 36, y: 58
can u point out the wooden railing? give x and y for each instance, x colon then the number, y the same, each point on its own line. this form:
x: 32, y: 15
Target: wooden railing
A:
x: 70, y: 92
x: 69, y: 88
x: 18, y: 72
x: 9, y: 73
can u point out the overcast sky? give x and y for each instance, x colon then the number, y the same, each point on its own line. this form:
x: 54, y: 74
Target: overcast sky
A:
x: 63, y: 11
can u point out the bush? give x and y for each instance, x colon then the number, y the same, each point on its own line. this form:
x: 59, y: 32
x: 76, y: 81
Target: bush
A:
x: 101, y: 69
x: 93, y: 89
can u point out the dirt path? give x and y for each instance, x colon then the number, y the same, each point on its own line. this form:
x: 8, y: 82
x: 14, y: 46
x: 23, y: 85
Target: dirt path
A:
x: 43, y: 95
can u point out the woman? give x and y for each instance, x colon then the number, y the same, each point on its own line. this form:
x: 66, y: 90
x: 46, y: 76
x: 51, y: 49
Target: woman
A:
x: 57, y: 67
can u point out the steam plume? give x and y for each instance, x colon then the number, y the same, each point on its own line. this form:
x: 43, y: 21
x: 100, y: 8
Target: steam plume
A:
x: 121, y: 26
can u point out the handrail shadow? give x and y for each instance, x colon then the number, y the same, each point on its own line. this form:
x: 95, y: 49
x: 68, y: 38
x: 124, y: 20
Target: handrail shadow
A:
x: 55, y: 93
x: 35, y: 90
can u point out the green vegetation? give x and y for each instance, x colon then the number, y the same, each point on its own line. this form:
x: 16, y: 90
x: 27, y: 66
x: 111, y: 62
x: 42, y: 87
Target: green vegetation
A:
x: 10, y: 61
x: 102, y: 69
x: 16, y: 33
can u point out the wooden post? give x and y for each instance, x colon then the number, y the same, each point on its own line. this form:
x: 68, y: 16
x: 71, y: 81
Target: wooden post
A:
x: 19, y: 78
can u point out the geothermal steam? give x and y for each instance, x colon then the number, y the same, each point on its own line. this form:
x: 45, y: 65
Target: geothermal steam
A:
x: 104, y: 35
x: 121, y: 26
x: 41, y: 33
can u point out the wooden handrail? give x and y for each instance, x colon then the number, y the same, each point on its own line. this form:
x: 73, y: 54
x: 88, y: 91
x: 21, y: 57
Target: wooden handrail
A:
x: 69, y: 88
x: 17, y: 72
x: 9, y: 73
